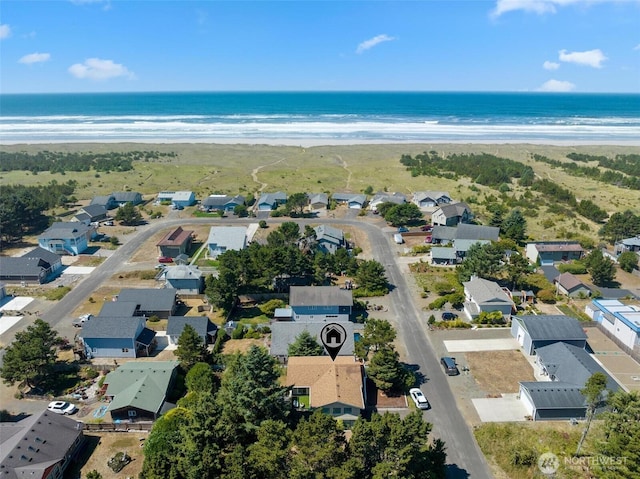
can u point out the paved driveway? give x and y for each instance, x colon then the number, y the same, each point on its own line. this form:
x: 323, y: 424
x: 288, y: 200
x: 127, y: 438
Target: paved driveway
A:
x: 619, y: 364
x: 508, y: 408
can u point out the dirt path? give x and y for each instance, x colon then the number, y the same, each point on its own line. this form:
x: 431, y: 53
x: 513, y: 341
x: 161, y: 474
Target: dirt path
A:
x: 254, y: 174
x: 345, y: 166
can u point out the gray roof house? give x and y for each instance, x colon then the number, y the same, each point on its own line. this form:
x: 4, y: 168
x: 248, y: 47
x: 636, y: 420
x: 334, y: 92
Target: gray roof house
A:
x: 205, y: 328
x: 533, y: 332
x: 116, y: 337
x: 549, y: 252
x: 138, y: 389
x: 184, y: 278
x: 329, y: 239
x: 569, y: 285
x: 37, y: 265
x: 91, y: 214
x: 352, y: 200
x: 477, y: 232
x: 627, y: 244
x: 384, y: 197
x: 67, y: 237
x: 443, y: 234
x: 318, y: 201
x: 123, y: 197
x: 320, y: 303
x: 150, y: 301
x: 221, y: 202
x: 40, y: 446
x: 122, y: 309
x: 442, y: 255
x: 451, y: 214
x: 270, y: 201
x: 568, y: 368
x: 223, y: 238
x: 108, y: 201
x: 483, y: 296
x: 286, y: 332
x: 430, y: 199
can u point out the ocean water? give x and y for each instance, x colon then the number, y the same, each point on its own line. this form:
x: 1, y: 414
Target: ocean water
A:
x: 321, y: 117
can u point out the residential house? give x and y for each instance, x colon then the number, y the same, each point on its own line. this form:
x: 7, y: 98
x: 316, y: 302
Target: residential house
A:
x: 431, y: 199
x: 90, y: 214
x: 138, y: 390
x: 351, y: 200
x: 38, y: 265
x: 336, y: 387
x: 329, y: 239
x: 533, y: 332
x: 451, y: 214
x: 549, y: 252
x: 462, y: 246
x: 116, y: 337
x: 223, y: 238
x: 39, y: 446
x: 320, y: 303
x: 184, y: 278
x: 568, y: 368
x: 477, y: 232
x: 318, y: 201
x: 443, y: 234
x: 627, y: 244
x: 442, y: 255
x: 150, y: 301
x: 483, y: 296
x: 619, y: 320
x: 177, y: 198
x: 222, y: 203
x: 568, y: 284
x: 175, y: 242
x: 270, y: 201
x: 205, y: 328
x: 108, y: 201
x: 284, y: 333
x: 66, y: 238
x: 123, y: 197
x: 119, y: 309
x: 384, y: 197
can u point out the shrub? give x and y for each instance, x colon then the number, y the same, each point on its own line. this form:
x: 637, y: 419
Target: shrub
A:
x: 262, y: 224
x: 114, y: 241
x: 238, y: 333
x: 455, y: 324
x: 547, y: 296
x: 494, y: 317
x: 270, y: 306
x: 575, y: 267
x: 117, y: 462
x: 154, y: 319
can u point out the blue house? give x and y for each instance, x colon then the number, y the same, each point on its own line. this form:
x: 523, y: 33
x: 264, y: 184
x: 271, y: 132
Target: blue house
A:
x: 352, y: 200
x: 270, y: 201
x: 320, y: 303
x: 66, y: 238
x: 184, y: 278
x: 178, y: 198
x: 329, y: 239
x: 222, y: 202
x: 116, y: 337
x: 123, y: 197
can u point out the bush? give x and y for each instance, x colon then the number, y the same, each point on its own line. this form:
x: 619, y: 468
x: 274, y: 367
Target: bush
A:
x: 455, y: 324
x: 114, y: 241
x: 238, y: 333
x: 494, y: 317
x: 154, y: 319
x: 547, y: 296
x: 262, y: 224
x: 270, y: 306
x: 365, y: 293
x: 575, y: 267
x: 117, y: 462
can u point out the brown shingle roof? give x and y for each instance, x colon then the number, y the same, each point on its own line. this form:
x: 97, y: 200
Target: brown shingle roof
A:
x: 329, y: 381
x: 175, y: 238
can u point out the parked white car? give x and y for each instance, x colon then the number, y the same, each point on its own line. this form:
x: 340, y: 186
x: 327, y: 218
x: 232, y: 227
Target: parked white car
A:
x: 62, y: 407
x: 419, y: 399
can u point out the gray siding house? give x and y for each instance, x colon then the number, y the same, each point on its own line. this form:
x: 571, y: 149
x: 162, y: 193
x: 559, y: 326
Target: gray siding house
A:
x: 483, y: 296
x: 116, y: 337
x: 329, y: 239
x: 320, y: 303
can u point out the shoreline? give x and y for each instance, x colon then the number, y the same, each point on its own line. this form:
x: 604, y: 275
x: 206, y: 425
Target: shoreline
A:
x: 313, y: 142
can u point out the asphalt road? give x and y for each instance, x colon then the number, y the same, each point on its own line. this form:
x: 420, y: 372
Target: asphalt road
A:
x: 464, y: 458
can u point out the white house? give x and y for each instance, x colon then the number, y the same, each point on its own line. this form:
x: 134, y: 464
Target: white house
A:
x: 485, y: 296
x: 619, y: 319
x: 223, y: 238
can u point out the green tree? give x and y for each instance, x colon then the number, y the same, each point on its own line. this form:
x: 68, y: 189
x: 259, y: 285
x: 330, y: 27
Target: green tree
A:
x: 200, y: 378
x: 191, y: 348
x: 602, y: 270
x: 296, y: 204
x: 371, y: 276
x: 128, y: 215
x: 31, y: 356
x: 593, y: 392
x: 163, y: 445
x: 621, y: 437
x: 628, y: 261
x: 517, y: 267
x: 482, y: 260
x: 320, y: 448
x: 241, y: 211
x: 514, y: 226
x: 377, y: 334
x: 305, y: 345
x: 262, y: 224
x: 391, y: 446
x: 621, y: 225
x: 402, y: 214
x: 388, y: 373
x: 269, y: 456
x: 250, y: 393
x: 94, y: 475
x: 291, y: 231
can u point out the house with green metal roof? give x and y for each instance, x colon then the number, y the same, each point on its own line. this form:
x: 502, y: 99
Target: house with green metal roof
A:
x: 138, y: 390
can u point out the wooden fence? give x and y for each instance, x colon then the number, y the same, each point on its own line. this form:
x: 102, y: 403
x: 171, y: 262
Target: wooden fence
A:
x: 118, y: 427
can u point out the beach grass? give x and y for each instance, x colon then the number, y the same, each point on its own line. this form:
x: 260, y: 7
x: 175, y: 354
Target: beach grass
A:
x: 251, y: 169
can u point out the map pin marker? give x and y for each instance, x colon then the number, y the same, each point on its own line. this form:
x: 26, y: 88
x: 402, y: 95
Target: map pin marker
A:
x: 333, y: 336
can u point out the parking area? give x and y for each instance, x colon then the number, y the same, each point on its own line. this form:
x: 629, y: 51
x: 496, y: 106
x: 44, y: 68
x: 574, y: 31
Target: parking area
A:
x: 465, y: 345
x: 502, y: 409
x: 619, y: 364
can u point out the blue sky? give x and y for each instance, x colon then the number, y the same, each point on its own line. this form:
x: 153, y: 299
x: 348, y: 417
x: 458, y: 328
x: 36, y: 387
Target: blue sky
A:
x: 498, y: 45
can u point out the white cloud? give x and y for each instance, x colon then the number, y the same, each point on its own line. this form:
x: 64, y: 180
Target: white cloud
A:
x: 550, y: 65
x: 372, y: 42
x: 591, y: 58
x: 98, y: 69
x: 35, y: 58
x: 557, y: 86
x: 536, y: 6
x: 5, y: 31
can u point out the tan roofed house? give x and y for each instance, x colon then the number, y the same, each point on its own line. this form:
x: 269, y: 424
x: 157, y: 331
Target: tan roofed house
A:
x: 336, y: 387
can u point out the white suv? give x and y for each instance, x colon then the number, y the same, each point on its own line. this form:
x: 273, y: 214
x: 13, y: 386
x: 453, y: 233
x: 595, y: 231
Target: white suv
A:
x: 419, y: 399
x: 61, y: 407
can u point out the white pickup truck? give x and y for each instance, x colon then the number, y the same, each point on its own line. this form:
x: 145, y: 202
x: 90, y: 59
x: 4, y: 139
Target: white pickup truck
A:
x: 81, y: 320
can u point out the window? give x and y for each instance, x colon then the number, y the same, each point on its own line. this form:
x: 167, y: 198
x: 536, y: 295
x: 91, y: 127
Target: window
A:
x: 94, y: 350
x: 132, y: 413
x: 325, y: 410
x: 300, y: 392
x: 125, y: 350
x: 347, y: 410
x: 336, y: 410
